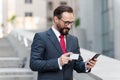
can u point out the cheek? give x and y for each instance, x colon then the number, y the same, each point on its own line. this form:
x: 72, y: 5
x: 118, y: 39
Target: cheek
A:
x: 61, y: 25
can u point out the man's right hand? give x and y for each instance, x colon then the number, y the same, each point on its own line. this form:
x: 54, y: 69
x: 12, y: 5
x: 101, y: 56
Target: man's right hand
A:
x: 65, y: 58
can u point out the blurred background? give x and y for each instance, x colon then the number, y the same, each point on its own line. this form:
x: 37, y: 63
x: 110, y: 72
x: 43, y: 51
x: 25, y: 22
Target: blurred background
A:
x: 97, y: 27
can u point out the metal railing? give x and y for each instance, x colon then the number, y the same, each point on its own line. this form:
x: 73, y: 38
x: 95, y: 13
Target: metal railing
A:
x: 106, y: 68
x: 26, y: 37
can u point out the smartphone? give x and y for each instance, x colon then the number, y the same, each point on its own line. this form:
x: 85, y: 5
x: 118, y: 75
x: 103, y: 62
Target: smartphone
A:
x: 95, y: 56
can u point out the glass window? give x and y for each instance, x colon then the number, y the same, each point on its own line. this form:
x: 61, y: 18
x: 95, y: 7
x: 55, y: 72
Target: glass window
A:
x: 28, y: 1
x: 63, y: 3
x: 50, y: 5
x: 106, y: 37
x: 28, y: 14
x: 50, y: 19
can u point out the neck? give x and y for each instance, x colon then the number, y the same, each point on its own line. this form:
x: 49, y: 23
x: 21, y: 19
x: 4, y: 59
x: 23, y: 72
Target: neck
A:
x: 55, y: 27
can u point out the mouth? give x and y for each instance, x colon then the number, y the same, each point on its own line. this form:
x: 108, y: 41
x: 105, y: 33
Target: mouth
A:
x: 67, y: 29
x: 64, y: 31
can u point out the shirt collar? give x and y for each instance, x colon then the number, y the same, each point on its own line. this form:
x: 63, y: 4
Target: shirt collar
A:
x: 57, y: 33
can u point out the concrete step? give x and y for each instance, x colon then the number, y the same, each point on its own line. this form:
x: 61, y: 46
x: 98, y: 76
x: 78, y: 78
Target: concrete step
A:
x: 10, y: 62
x: 6, y: 49
x: 15, y: 74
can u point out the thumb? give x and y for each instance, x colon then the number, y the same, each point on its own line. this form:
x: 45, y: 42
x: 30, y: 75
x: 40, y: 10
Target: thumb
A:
x: 68, y: 54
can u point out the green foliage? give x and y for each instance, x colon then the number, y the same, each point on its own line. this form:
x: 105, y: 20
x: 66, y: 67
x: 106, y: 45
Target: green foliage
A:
x: 12, y: 19
x: 77, y: 22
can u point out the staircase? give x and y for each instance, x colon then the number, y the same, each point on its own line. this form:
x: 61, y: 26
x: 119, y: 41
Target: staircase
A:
x: 10, y: 63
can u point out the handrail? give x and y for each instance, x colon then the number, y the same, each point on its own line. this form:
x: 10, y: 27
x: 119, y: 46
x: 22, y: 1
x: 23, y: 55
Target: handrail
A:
x: 102, y: 69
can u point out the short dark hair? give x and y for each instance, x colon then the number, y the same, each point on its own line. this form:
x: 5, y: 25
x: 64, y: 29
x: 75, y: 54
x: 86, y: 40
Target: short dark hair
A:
x: 60, y: 9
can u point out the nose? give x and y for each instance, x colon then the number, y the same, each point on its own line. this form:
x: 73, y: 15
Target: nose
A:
x: 69, y: 26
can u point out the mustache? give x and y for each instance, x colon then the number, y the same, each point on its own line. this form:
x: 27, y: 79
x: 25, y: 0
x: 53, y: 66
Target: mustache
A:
x: 67, y: 28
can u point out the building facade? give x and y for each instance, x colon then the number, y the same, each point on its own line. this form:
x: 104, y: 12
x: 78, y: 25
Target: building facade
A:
x: 7, y: 12
x: 100, y: 20
x: 51, y: 5
x: 31, y: 14
x: 25, y: 14
x: 116, y: 33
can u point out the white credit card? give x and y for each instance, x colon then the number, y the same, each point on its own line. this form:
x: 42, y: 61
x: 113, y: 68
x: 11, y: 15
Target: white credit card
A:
x: 74, y: 56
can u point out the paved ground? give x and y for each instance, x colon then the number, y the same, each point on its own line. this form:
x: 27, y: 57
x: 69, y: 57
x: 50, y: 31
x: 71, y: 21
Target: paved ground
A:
x: 11, y: 68
x: 6, y: 50
x: 106, y: 68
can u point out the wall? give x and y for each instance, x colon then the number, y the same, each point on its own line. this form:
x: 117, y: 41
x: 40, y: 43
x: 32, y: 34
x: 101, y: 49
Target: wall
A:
x: 116, y: 5
x: 90, y: 15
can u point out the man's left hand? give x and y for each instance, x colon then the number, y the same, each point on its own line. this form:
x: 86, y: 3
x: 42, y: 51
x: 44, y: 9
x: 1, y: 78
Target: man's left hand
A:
x: 90, y: 63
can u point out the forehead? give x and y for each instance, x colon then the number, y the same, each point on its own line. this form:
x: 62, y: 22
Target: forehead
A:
x: 67, y: 16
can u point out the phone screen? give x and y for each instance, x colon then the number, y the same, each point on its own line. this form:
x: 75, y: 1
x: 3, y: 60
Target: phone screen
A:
x: 95, y: 56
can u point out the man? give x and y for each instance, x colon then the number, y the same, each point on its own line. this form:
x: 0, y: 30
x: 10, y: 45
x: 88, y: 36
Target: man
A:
x: 51, y: 50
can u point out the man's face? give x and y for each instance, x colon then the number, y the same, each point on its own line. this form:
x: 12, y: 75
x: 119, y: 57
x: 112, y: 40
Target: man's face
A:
x: 64, y: 24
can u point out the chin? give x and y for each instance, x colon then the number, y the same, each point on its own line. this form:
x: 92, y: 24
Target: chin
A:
x: 66, y: 33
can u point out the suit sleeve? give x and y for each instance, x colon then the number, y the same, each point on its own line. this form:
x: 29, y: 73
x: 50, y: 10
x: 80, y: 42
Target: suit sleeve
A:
x: 37, y: 61
x: 79, y: 65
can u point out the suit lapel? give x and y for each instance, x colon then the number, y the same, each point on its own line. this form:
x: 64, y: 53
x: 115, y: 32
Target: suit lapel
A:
x: 68, y: 43
x: 52, y: 37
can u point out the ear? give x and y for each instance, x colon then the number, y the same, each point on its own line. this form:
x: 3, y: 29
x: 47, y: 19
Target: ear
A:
x: 56, y: 19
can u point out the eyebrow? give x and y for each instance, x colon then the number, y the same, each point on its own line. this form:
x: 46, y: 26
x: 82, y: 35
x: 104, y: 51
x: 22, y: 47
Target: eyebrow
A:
x: 66, y: 20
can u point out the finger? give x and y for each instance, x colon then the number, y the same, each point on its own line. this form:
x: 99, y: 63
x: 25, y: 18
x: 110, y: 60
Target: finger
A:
x: 91, y: 64
x: 65, y: 62
x: 94, y: 59
x: 67, y: 54
x: 70, y: 53
x: 67, y: 58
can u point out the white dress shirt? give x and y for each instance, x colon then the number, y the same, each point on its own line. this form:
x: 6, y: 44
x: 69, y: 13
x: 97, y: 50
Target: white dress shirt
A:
x: 57, y: 33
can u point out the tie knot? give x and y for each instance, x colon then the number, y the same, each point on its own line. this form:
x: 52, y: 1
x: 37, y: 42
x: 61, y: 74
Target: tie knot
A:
x: 61, y: 36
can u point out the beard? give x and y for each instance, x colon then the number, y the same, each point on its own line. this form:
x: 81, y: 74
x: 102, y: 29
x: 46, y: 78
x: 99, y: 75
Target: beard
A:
x: 63, y: 30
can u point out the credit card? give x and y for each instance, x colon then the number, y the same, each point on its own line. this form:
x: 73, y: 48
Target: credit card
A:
x: 74, y: 56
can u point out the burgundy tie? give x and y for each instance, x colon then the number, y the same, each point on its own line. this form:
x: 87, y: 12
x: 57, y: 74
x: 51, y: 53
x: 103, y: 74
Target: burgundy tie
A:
x: 62, y: 43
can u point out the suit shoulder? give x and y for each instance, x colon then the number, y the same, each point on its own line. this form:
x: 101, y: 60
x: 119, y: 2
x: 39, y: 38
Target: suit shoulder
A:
x: 72, y: 36
x: 40, y: 33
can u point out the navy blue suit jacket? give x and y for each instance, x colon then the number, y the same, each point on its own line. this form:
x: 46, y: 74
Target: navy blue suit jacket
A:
x: 45, y: 51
